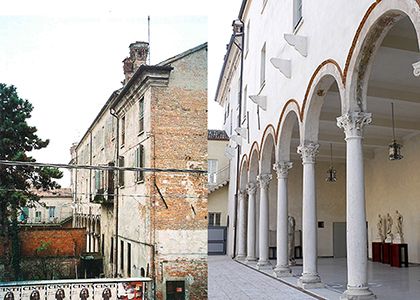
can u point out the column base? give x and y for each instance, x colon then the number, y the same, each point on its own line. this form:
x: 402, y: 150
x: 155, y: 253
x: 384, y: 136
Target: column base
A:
x: 250, y: 259
x: 358, y: 294
x: 310, y: 281
x: 282, y: 271
x: 264, y: 265
x: 240, y: 257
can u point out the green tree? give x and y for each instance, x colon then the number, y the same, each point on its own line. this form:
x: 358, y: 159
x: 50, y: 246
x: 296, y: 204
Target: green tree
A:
x: 17, y: 183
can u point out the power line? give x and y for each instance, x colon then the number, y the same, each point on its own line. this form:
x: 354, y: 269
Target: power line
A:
x: 98, y: 167
x: 180, y: 196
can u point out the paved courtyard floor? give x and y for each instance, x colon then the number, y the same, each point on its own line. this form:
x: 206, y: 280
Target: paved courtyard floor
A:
x: 233, y: 280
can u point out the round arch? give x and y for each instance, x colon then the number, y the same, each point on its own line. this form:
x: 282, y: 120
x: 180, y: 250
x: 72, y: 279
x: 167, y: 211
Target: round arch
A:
x: 375, y: 25
x: 253, y: 165
x: 268, y: 148
x: 325, y: 77
x: 289, y: 119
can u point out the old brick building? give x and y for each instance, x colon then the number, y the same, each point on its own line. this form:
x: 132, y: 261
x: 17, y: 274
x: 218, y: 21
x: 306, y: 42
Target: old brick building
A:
x: 149, y: 223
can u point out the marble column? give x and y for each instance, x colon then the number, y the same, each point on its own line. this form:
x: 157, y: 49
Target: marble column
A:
x: 242, y: 225
x: 251, y: 229
x: 357, y: 285
x: 310, y: 277
x: 282, y: 268
x: 264, y: 182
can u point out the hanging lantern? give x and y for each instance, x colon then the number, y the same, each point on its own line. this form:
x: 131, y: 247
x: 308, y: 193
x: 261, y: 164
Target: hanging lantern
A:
x: 332, y: 172
x: 394, y: 148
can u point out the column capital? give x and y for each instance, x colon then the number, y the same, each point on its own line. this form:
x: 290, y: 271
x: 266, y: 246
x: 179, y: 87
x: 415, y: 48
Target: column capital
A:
x: 416, y: 67
x: 242, y: 194
x: 264, y: 180
x: 251, y: 188
x: 308, y: 152
x: 353, y: 123
x: 282, y: 168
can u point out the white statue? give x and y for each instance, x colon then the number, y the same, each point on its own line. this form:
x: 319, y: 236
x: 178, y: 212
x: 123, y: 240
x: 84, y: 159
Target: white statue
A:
x: 380, y: 226
x: 388, y: 225
x: 399, y: 237
x: 291, y: 240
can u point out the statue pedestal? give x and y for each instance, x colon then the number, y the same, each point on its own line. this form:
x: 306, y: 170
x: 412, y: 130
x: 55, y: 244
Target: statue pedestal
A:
x: 377, y: 251
x: 399, y: 255
x: 386, y: 253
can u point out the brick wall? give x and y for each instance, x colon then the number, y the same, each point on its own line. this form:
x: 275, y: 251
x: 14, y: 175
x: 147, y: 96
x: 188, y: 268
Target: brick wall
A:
x: 62, y: 242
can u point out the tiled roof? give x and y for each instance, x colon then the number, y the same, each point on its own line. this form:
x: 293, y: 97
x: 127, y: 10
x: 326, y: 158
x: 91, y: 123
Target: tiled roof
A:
x: 63, y: 192
x: 218, y: 135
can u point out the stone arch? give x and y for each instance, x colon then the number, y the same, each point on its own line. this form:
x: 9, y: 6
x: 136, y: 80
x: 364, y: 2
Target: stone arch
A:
x: 268, y: 148
x: 325, y: 77
x: 375, y: 25
x: 288, y: 119
x: 244, y: 174
x: 253, y: 164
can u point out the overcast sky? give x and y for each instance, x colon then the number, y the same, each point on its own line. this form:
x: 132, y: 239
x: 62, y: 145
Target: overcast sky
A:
x: 65, y: 57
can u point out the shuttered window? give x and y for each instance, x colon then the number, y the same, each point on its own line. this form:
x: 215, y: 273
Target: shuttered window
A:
x: 140, y: 163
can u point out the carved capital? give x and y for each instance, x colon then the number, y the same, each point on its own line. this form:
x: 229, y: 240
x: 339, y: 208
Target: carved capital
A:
x: 251, y: 188
x: 242, y: 194
x: 308, y: 152
x: 416, y: 67
x: 353, y: 123
x: 264, y: 180
x: 282, y: 169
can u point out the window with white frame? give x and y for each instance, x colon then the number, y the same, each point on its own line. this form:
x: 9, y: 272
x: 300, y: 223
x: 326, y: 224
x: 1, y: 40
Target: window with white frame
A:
x: 297, y: 12
x: 212, y: 170
x: 262, y: 66
x: 37, y: 216
x: 139, y: 163
x: 51, y: 212
x: 141, y: 115
x: 214, y: 218
x: 122, y: 131
x: 121, y: 172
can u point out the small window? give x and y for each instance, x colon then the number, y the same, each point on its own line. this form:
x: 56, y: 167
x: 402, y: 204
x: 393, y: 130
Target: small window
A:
x: 37, y: 216
x: 214, y: 218
x: 297, y: 13
x: 141, y: 115
x: 111, y: 254
x: 262, y: 67
x: 122, y: 131
x: 140, y: 163
x: 244, y: 100
x: 122, y: 255
x: 212, y: 170
x: 51, y: 212
x: 102, y: 244
x: 175, y: 290
x: 121, y: 173
x: 99, y: 180
x: 128, y: 259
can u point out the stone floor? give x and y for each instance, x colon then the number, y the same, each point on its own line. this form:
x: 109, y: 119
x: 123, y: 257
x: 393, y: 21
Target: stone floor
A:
x: 229, y: 279
x: 385, y: 281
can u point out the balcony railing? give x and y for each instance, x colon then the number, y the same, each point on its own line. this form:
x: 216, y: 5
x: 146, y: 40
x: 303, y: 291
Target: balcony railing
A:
x: 218, y: 179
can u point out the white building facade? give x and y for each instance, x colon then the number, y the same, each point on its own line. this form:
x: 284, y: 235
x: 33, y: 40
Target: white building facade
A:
x: 307, y: 88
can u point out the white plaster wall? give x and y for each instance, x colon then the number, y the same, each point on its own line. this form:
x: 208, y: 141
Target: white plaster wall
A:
x: 391, y: 186
x: 331, y: 201
x: 218, y: 202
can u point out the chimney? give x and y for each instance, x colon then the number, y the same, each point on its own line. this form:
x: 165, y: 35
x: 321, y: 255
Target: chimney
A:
x: 138, y: 57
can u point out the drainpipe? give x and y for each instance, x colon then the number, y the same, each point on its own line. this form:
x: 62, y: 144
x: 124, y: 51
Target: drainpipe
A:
x: 116, y: 191
x: 238, y: 31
